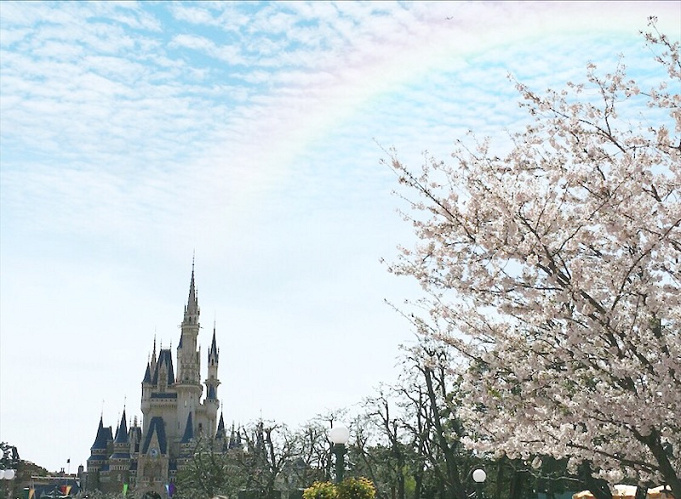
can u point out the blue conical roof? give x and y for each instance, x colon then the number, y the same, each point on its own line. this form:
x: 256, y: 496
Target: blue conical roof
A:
x: 122, y: 432
x: 213, y: 351
x: 220, y: 433
x: 156, y: 426
x: 165, y: 361
x: 188, y: 430
x: 103, y: 436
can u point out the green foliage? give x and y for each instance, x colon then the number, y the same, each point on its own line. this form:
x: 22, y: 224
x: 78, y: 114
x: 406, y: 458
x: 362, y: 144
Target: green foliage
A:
x: 350, y: 488
x: 356, y: 488
x: 208, y: 474
x: 321, y: 490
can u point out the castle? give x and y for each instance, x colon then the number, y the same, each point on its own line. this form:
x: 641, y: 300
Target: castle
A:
x: 175, y: 419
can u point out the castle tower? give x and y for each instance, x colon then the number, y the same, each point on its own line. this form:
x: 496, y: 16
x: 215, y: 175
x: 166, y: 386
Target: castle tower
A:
x: 212, y: 382
x: 188, y: 381
x: 188, y: 362
x: 119, y: 461
x: 99, y: 452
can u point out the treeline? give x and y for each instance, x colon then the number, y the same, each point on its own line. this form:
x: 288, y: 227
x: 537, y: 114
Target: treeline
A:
x: 406, y: 439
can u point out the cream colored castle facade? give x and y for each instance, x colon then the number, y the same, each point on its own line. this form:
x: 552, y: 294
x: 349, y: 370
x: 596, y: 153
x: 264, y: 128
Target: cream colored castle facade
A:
x: 176, y: 417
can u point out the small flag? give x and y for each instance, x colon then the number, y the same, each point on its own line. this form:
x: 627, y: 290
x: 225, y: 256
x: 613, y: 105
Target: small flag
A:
x: 170, y: 489
x: 125, y: 489
x: 68, y: 460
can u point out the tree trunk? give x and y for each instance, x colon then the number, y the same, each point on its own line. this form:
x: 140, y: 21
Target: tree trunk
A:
x: 598, y: 487
x: 670, y: 475
x: 456, y: 491
x: 500, y: 479
x: 516, y: 491
x: 418, y: 485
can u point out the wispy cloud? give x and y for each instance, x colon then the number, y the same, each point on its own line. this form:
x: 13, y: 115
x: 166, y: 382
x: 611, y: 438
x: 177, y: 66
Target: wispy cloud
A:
x: 134, y: 133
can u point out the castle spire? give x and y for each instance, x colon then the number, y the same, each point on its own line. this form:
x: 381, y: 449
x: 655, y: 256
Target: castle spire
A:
x: 213, y: 351
x: 212, y: 382
x: 122, y: 431
x: 221, y: 428
x: 189, y: 363
x: 192, y: 302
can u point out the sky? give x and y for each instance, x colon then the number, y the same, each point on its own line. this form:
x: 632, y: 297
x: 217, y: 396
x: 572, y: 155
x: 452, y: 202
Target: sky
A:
x: 246, y: 137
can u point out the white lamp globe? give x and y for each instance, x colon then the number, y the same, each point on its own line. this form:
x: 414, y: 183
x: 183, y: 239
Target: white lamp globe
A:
x: 479, y: 475
x: 339, y: 435
x: 8, y: 474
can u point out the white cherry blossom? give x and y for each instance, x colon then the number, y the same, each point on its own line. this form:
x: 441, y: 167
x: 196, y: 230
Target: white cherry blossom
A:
x: 555, y: 268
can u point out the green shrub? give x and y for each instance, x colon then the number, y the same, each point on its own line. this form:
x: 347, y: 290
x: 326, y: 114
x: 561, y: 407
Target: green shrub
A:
x: 321, y: 490
x: 356, y: 488
x: 350, y: 488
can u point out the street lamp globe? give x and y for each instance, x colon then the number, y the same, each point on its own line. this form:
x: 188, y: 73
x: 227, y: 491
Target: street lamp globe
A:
x: 6, y: 474
x: 479, y: 475
x: 339, y: 435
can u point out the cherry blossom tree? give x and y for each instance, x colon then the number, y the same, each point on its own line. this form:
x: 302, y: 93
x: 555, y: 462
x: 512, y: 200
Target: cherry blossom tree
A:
x: 554, y: 268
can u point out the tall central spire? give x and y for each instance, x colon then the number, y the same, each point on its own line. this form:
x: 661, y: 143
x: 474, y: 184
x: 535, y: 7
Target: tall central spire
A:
x: 189, y: 364
x: 192, y: 308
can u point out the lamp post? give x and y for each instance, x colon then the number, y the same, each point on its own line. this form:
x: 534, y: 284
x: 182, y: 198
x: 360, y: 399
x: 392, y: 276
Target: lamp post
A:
x: 339, y: 436
x: 479, y: 477
x: 7, y: 475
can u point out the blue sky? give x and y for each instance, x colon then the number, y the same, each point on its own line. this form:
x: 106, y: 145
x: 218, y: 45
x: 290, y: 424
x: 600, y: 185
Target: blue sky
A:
x: 134, y: 135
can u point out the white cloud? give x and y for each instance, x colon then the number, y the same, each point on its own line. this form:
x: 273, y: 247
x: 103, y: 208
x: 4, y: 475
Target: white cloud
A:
x: 133, y: 134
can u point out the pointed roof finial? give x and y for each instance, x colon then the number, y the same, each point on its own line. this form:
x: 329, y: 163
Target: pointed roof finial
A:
x: 122, y: 431
x: 213, y: 350
x: 192, y: 302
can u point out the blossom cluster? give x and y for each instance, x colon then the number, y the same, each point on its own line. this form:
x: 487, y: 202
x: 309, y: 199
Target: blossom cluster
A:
x: 555, y: 268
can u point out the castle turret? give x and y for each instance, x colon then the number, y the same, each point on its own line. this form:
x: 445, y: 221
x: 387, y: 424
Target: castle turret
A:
x: 99, y: 452
x: 187, y: 351
x: 220, y: 434
x: 220, y: 441
x: 212, y: 382
x: 188, y: 381
x: 119, y: 461
x: 235, y: 439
